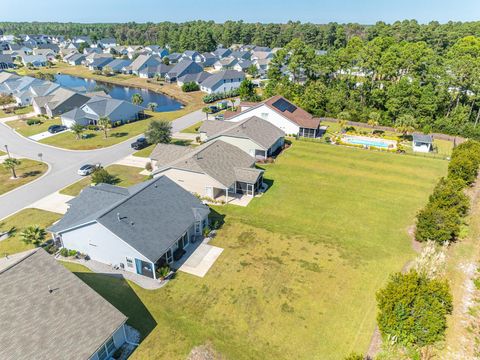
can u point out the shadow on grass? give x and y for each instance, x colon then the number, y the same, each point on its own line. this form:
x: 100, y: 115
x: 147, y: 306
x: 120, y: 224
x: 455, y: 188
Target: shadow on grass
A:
x: 31, y: 173
x: 216, y: 218
x: 117, y: 291
x: 118, y: 134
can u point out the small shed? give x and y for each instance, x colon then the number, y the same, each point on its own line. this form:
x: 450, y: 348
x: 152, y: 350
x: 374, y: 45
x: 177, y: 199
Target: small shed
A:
x: 422, y: 143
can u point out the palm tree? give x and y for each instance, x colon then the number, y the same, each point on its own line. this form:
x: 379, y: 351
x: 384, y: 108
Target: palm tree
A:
x: 11, y: 164
x: 405, y: 124
x: 137, y: 99
x: 33, y: 235
x: 206, y: 110
x: 152, y: 106
x: 104, y: 123
x: 77, y: 129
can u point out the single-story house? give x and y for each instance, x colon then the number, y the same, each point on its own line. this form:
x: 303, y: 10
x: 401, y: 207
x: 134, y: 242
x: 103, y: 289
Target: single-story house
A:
x: 182, y: 68
x: 138, y: 229
x: 225, y: 63
x: 289, y: 118
x: 257, y: 137
x: 222, y: 81
x: 222, y: 53
x: 38, y: 88
x: 422, y: 143
x: 215, y: 170
x: 100, y: 106
x: 99, y: 63
x: 197, y: 78
x: 49, y: 313
x: 157, y: 50
x: 106, y: 43
x: 53, y: 47
x: 81, y: 39
x: 174, y: 58
x: 241, y: 55
x: 192, y: 56
x: 58, y: 102
x: 144, y: 61
x: 6, y: 62
x: 49, y: 54
x: 242, y: 65
x: 117, y: 65
x: 35, y: 60
x: 75, y: 59
x: 208, y: 59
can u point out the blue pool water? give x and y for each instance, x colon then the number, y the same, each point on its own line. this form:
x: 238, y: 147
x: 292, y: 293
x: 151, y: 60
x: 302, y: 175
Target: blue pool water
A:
x: 165, y: 103
x: 375, y: 143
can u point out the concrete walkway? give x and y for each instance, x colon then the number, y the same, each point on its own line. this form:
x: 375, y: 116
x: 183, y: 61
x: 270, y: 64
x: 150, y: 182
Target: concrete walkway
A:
x: 185, y: 136
x: 134, y: 161
x: 44, y: 135
x: 55, y: 202
x: 100, y: 268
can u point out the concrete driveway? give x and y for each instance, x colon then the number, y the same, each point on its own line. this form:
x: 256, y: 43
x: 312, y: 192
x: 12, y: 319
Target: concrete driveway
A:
x: 44, y: 135
x: 63, y: 164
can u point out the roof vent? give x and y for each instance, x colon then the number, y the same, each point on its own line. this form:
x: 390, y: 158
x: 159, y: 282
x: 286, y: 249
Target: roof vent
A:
x: 49, y: 289
x: 118, y: 217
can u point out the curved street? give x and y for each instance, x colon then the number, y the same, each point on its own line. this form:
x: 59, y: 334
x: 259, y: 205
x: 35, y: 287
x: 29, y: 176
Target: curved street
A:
x: 63, y: 163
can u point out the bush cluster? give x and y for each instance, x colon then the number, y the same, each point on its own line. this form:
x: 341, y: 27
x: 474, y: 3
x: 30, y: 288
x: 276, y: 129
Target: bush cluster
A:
x: 207, y: 99
x: 442, y: 217
x: 190, y: 86
x: 31, y: 122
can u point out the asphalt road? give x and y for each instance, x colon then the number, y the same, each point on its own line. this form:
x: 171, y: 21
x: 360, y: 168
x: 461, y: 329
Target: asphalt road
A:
x: 63, y: 163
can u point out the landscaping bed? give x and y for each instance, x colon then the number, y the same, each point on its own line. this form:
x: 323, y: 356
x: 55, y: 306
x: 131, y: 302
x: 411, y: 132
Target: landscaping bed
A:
x: 27, y: 171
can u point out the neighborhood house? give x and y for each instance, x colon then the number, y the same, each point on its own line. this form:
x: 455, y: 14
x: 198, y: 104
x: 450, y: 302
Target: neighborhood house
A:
x: 47, y: 312
x: 139, y: 229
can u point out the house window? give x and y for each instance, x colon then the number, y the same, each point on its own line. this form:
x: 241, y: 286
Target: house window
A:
x: 129, y: 262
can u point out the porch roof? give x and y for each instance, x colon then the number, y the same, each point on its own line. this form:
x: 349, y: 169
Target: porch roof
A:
x: 248, y: 175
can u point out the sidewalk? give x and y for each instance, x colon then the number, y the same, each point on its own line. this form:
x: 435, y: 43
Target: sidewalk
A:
x: 17, y: 117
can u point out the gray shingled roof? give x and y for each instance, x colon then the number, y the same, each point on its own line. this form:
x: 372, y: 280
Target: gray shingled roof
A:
x: 72, y: 321
x: 258, y: 130
x: 152, y: 216
x: 426, y: 139
x: 164, y: 154
x: 217, y: 159
x: 219, y: 77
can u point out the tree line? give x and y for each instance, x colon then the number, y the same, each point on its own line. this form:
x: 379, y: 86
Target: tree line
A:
x: 384, y: 81
x: 206, y: 35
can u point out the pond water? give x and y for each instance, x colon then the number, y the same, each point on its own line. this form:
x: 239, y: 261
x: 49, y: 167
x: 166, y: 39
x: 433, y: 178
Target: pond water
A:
x: 165, y: 103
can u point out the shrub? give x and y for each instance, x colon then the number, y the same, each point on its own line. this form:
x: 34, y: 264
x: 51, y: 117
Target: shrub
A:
x: 190, y: 86
x: 412, y: 309
x: 448, y: 194
x: 148, y: 166
x: 465, y: 162
x: 92, y: 127
x: 103, y: 176
x: 437, y: 224
x: 31, y: 122
x: 163, y: 271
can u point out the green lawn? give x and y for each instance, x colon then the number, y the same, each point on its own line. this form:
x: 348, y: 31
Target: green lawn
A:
x: 300, y: 266
x: 127, y: 176
x: 24, y: 129
x: 96, y: 139
x: 19, y: 111
x: 192, y: 129
x: 19, y: 221
x: 145, y: 152
x: 27, y: 171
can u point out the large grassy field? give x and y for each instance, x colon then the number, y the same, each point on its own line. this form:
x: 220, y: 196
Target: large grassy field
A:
x: 301, y: 264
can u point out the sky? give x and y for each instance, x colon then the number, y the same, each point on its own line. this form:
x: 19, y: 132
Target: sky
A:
x: 278, y: 11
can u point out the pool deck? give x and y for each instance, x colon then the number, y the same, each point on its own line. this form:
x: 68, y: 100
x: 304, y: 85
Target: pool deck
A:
x: 370, y: 141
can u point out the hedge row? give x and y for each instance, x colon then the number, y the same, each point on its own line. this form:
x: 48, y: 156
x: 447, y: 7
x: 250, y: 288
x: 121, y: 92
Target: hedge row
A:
x: 207, y: 99
x: 442, y: 217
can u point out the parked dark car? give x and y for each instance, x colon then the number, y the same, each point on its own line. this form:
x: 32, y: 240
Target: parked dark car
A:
x: 139, y: 144
x: 56, y: 129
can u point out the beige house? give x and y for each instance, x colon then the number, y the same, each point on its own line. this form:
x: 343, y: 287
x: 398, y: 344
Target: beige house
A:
x: 215, y: 170
x: 255, y: 136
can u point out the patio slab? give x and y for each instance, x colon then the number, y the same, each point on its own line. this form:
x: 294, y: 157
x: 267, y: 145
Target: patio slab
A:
x: 200, y: 260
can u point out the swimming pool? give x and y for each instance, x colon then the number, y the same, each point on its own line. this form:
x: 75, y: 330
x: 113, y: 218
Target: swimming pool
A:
x: 366, y: 141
